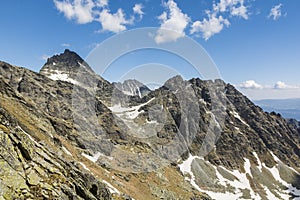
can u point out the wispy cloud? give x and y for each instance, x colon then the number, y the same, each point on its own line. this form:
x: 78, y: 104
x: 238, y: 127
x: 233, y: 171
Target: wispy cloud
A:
x: 65, y: 45
x: 275, y: 12
x: 44, y: 57
x: 137, y: 9
x: 173, y: 23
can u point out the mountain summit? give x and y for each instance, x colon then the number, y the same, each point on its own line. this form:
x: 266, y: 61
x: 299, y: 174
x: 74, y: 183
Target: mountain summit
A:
x: 65, y: 66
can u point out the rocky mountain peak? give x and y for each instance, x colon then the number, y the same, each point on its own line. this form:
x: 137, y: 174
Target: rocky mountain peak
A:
x: 132, y: 87
x: 67, y: 58
x: 65, y: 67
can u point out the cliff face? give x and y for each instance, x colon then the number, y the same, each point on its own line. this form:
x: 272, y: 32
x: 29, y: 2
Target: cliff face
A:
x: 78, y: 136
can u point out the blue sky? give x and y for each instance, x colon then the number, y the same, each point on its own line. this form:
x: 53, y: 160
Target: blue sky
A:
x: 254, y: 43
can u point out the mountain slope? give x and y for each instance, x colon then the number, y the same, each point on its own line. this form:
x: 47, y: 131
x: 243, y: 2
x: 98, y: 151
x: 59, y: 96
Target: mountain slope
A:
x: 52, y: 101
x: 179, y: 141
x: 33, y: 164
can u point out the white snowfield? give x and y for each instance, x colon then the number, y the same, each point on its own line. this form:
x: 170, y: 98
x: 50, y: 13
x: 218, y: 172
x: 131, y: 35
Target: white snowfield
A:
x: 60, y: 75
x: 241, y: 182
x: 128, y: 116
x: 128, y: 112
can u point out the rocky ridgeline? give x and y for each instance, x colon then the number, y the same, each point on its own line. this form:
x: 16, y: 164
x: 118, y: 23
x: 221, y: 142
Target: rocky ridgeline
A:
x: 221, y: 143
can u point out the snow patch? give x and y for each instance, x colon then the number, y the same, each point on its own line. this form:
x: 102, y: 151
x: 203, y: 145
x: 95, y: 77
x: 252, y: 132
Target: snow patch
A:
x: 270, y: 195
x: 275, y: 173
x: 275, y: 157
x: 214, y: 119
x: 222, y: 180
x: 96, y: 157
x: 247, y: 166
x: 66, y: 151
x: 111, y: 188
x: 243, y: 183
x: 128, y: 112
x: 84, y: 166
x: 59, y: 75
x: 36, y: 143
x: 236, y: 115
x: 258, y: 161
x: 81, y: 65
x: 186, y: 168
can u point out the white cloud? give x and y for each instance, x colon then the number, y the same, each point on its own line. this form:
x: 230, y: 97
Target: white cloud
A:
x: 215, y: 21
x: 173, y: 23
x: 233, y: 7
x: 113, y: 22
x: 282, y: 85
x: 137, y: 9
x: 102, y: 3
x: 86, y: 11
x: 275, y: 12
x: 240, y: 11
x: 79, y: 10
x: 209, y: 27
x: 279, y: 90
x: 250, y: 84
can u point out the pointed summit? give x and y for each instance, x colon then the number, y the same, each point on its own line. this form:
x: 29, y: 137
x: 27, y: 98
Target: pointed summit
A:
x: 68, y: 59
x: 65, y: 66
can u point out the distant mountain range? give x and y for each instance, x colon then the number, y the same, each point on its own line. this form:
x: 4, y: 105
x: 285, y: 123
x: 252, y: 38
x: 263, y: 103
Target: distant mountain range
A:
x: 288, y: 108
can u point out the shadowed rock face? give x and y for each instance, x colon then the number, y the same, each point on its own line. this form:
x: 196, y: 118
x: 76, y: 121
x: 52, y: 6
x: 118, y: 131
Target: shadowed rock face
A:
x: 67, y: 61
x: 220, y: 141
